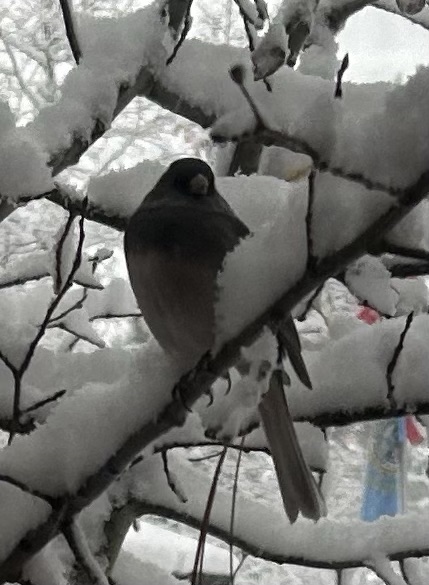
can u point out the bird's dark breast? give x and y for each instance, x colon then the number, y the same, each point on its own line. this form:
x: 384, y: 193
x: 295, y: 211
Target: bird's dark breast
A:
x: 173, y: 261
x: 199, y: 233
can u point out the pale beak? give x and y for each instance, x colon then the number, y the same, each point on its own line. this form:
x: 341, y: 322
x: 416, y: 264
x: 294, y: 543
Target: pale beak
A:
x: 199, y: 185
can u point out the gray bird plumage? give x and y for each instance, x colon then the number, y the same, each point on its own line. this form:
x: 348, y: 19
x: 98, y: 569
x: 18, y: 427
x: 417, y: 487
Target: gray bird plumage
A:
x: 175, y: 245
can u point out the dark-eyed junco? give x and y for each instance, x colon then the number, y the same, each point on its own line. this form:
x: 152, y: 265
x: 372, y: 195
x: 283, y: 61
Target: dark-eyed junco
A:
x: 175, y: 245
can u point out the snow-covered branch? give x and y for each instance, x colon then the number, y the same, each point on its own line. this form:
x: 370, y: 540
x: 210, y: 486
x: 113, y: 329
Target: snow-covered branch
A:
x: 328, y: 544
x: 303, y: 113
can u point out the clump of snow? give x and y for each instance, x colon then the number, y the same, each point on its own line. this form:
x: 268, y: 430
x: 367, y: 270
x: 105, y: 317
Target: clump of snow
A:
x: 116, y: 298
x: 77, y: 322
x: 120, y: 193
x: 233, y: 125
x: 339, y: 309
x: 23, y: 165
x: 366, y: 132
x: 369, y: 280
x: 284, y: 164
x: 320, y: 58
x: 413, y: 295
x: 114, y: 50
x: 46, y: 567
x: 28, y: 311
x: 20, y: 512
x: 341, y: 211
x: 267, y: 263
x: 96, y: 420
x: 23, y: 169
x: 363, y: 356
x: 130, y: 570
x: 177, y: 551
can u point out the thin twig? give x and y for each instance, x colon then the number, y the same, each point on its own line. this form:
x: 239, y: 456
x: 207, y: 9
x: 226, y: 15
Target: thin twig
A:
x: 71, y: 30
x: 232, y: 517
x: 392, y: 364
x: 187, y: 23
x: 404, y: 571
x: 77, y: 305
x: 311, y: 258
x: 302, y: 316
x: 44, y: 402
x: 172, y: 484
x: 205, y: 457
x: 18, y: 373
x: 206, y: 517
x: 343, y: 68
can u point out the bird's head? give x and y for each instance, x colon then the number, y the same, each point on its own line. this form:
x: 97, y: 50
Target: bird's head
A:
x: 191, y: 177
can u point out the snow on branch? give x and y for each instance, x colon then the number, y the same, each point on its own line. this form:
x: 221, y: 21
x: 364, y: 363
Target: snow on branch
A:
x: 356, y: 142
x: 328, y: 544
x: 116, y: 69
x: 303, y: 113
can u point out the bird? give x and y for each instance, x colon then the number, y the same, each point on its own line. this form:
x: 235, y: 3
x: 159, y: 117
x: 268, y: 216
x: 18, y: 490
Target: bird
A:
x: 175, y: 244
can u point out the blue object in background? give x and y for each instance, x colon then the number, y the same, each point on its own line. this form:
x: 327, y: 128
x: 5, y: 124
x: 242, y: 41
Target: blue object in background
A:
x: 384, y: 481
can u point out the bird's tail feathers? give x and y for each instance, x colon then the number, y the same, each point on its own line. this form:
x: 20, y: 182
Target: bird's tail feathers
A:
x: 298, y: 488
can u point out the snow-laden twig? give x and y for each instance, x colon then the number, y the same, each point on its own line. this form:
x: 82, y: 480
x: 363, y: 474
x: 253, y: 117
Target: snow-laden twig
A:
x: 64, y: 285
